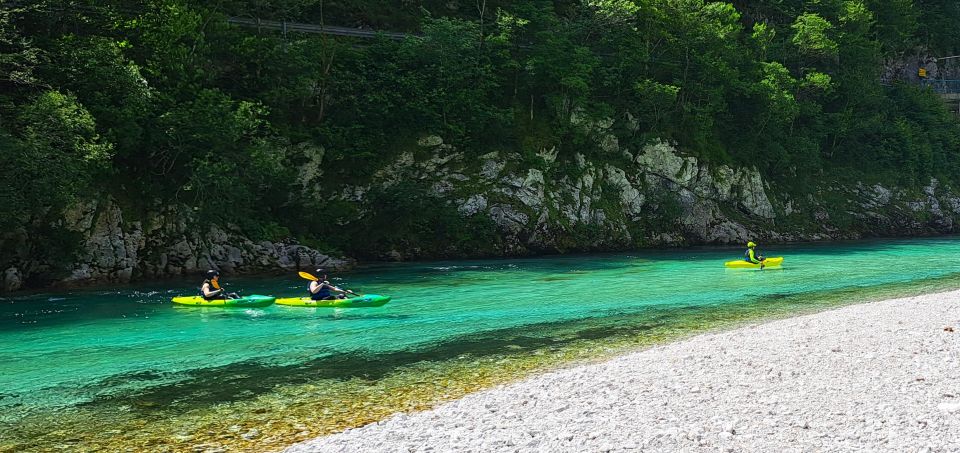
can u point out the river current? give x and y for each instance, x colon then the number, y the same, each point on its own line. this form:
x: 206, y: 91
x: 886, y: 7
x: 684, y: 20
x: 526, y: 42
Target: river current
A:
x: 121, y: 368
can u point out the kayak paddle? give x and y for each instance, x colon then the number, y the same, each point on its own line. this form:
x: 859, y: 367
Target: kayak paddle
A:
x: 309, y: 276
x: 216, y: 286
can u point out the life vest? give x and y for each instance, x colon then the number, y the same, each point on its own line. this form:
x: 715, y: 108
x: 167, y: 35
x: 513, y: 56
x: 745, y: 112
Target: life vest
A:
x: 208, y: 282
x: 321, y: 293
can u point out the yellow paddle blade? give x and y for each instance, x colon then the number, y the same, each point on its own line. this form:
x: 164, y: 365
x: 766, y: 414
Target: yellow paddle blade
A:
x: 308, y: 276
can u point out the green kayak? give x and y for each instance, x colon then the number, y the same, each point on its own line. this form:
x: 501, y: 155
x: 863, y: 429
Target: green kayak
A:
x: 369, y: 300
x: 243, y: 302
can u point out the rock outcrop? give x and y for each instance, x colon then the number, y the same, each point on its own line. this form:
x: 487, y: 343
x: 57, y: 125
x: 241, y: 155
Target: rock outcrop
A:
x: 606, y: 197
x: 161, y: 244
x: 653, y: 196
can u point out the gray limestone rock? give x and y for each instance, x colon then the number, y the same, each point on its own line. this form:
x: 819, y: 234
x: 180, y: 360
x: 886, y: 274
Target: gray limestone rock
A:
x: 472, y: 205
x: 544, y: 201
x: 508, y: 219
x: 430, y: 141
x: 492, y: 165
x: 631, y: 199
x: 12, y: 280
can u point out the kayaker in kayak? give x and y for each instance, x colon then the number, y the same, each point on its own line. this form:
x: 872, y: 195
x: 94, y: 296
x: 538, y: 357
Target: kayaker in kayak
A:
x: 321, y: 289
x: 211, y: 290
x: 751, y: 256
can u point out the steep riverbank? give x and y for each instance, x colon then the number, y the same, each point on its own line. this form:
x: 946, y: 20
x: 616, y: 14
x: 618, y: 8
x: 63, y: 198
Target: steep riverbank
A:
x: 158, y: 148
x: 880, y: 376
x: 500, y: 205
x: 112, y: 246
x: 634, y: 197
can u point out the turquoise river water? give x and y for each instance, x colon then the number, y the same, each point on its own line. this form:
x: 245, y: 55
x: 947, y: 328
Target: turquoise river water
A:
x: 122, y: 368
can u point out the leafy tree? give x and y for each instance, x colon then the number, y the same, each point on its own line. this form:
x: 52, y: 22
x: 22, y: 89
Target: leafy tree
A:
x: 655, y: 102
x: 184, y: 108
x: 52, y: 162
x: 109, y: 85
x: 811, y: 37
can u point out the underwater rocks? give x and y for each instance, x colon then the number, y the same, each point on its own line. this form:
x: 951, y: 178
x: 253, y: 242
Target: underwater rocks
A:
x: 874, y: 377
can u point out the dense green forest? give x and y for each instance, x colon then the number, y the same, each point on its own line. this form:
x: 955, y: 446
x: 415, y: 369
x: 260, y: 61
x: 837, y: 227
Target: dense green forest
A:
x: 163, y: 101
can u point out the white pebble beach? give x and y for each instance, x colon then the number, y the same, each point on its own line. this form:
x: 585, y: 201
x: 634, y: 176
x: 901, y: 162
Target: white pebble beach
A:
x: 882, y: 376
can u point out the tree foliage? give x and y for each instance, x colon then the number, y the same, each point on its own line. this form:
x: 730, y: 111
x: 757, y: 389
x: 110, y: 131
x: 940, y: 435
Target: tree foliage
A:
x: 164, y: 101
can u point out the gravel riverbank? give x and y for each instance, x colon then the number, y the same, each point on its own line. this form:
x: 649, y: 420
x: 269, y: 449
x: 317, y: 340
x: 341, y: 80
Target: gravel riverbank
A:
x: 883, y: 376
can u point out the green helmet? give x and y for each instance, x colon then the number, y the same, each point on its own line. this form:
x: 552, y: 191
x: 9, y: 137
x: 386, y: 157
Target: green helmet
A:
x: 751, y: 244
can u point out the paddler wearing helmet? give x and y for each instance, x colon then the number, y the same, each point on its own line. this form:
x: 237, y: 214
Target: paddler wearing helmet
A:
x: 211, y: 290
x: 751, y: 255
x: 321, y: 289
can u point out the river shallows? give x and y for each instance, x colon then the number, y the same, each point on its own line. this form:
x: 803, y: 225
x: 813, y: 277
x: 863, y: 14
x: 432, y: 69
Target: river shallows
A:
x: 124, y: 368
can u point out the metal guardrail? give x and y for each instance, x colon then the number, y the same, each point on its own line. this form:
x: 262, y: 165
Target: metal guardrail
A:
x: 288, y: 27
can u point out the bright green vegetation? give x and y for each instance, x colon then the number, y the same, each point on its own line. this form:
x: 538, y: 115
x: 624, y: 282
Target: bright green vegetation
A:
x: 124, y: 369
x: 161, y: 101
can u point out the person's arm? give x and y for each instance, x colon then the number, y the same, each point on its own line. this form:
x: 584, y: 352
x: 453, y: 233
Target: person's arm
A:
x: 333, y: 288
x: 314, y: 287
x: 753, y: 257
x: 207, y: 293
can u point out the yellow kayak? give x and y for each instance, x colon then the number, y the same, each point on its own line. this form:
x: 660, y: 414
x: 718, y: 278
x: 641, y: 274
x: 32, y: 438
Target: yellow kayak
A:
x: 243, y: 302
x: 370, y: 300
x: 741, y: 264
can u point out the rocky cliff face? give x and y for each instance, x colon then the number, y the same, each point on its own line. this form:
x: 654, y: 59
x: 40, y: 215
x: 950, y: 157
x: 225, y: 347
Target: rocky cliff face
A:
x: 161, y: 244
x: 906, y: 67
x: 653, y: 196
x: 619, y: 199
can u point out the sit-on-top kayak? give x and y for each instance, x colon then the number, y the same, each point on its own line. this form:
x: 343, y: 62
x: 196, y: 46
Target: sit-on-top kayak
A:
x: 243, y: 302
x: 369, y: 300
x: 741, y: 264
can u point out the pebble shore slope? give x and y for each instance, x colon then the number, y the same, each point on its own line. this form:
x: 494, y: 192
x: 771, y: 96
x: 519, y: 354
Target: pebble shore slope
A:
x: 883, y: 376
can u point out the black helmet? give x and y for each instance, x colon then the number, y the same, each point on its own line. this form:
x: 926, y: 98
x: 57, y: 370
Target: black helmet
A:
x: 212, y: 273
x: 320, y: 271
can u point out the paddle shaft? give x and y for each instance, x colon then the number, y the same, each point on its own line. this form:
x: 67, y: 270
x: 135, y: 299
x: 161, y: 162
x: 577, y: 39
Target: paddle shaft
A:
x: 309, y: 276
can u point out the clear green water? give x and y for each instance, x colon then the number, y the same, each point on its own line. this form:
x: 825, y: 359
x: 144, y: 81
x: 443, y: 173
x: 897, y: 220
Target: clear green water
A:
x: 127, y: 355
